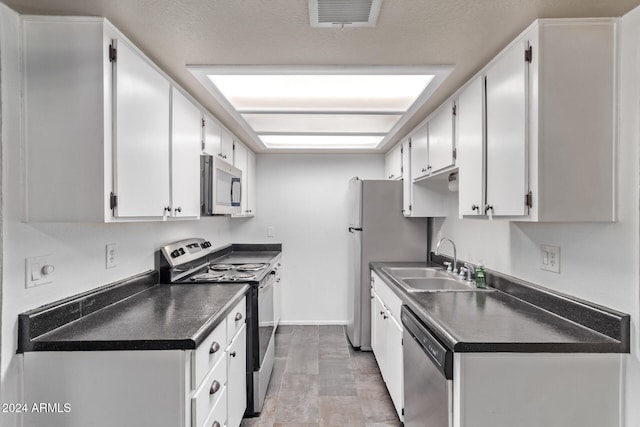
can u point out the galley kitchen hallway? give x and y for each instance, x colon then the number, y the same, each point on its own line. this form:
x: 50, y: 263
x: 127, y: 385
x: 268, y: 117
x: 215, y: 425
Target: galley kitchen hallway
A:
x: 319, y: 380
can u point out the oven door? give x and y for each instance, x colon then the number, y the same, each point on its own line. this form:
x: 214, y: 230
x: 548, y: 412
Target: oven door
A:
x: 266, y: 319
x: 266, y: 342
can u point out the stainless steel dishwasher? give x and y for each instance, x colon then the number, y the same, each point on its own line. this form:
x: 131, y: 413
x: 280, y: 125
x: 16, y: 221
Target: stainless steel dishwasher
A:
x: 428, y: 376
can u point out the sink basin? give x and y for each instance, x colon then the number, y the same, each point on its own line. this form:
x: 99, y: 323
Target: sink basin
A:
x: 436, y: 284
x: 417, y: 272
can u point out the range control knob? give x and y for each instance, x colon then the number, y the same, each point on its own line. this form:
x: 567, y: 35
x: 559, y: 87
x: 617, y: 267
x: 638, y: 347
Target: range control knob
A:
x: 175, y: 254
x: 181, y: 251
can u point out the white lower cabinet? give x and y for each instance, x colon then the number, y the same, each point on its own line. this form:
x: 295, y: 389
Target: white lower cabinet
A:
x: 237, y: 385
x: 386, y: 339
x: 160, y: 388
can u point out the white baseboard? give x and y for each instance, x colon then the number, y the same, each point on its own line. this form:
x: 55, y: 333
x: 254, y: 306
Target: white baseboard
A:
x: 313, y: 322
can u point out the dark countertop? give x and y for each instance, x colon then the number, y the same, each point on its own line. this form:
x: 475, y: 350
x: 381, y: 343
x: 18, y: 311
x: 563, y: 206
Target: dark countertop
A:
x: 162, y: 317
x: 494, y: 321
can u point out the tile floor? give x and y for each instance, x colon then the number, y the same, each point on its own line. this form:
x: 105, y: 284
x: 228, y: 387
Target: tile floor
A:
x: 319, y: 380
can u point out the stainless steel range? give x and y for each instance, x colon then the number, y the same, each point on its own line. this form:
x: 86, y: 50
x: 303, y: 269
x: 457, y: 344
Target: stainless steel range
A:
x: 195, y: 261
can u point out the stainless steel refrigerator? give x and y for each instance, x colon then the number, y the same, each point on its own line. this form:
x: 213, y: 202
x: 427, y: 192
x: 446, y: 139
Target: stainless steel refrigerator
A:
x: 378, y: 232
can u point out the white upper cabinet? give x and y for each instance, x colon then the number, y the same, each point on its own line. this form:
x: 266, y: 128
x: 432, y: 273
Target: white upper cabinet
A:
x: 470, y: 148
x: 125, y: 141
x: 226, y: 146
x: 211, y: 135
x: 550, y: 117
x: 441, y: 139
x: 420, y: 152
x: 393, y: 163
x: 185, y: 156
x: 506, y: 92
x: 108, y: 129
x: 252, y: 182
x: 141, y: 97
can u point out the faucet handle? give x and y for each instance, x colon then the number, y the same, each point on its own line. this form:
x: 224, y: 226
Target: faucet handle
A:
x: 463, y: 271
x: 471, y: 271
x: 448, y: 264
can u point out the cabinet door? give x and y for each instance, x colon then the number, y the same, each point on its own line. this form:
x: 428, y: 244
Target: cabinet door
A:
x: 393, y: 163
x: 380, y: 316
x: 240, y: 159
x: 506, y: 133
x: 394, y: 364
x: 141, y: 170
x: 420, y: 152
x: 407, y: 183
x: 237, y: 379
x: 251, y: 183
x: 186, y: 129
x: 470, y: 146
x: 441, y: 139
x: 226, y: 146
x: 212, y: 136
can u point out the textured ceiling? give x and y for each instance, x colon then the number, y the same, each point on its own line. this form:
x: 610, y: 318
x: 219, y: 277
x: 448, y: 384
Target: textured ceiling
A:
x: 466, y: 33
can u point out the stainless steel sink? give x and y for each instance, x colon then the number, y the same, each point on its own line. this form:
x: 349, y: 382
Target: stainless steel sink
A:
x: 417, y: 272
x: 436, y: 284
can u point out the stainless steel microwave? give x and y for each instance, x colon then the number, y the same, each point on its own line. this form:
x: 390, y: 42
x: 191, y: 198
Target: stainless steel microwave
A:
x: 220, y: 187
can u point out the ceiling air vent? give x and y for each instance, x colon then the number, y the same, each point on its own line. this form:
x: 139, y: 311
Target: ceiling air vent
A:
x: 342, y: 13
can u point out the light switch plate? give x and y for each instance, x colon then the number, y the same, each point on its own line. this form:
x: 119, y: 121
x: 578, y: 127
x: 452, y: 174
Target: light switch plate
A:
x: 550, y: 258
x: 271, y: 231
x: 39, y: 270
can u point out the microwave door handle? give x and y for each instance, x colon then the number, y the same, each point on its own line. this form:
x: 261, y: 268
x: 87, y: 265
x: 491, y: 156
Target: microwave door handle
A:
x: 233, y: 181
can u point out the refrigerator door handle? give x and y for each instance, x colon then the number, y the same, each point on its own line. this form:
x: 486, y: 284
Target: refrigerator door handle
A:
x: 352, y: 229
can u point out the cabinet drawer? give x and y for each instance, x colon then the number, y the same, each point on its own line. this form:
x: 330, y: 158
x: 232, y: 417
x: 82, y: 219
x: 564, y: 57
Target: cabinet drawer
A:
x: 208, y: 353
x: 388, y: 297
x: 218, y: 416
x: 211, y: 392
x: 236, y: 318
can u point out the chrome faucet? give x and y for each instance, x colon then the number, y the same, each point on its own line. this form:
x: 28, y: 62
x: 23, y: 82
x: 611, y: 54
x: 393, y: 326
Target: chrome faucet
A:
x: 455, y: 258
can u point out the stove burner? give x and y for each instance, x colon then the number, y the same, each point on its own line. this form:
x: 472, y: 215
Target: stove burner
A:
x: 242, y: 276
x: 207, y: 276
x: 220, y: 267
x: 250, y: 267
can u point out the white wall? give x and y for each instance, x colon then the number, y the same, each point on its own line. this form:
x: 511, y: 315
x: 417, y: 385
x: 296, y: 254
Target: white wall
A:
x: 599, y: 262
x: 304, y: 197
x: 79, y: 249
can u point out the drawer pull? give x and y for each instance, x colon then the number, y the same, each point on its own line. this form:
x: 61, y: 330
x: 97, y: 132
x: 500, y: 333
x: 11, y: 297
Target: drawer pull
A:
x: 215, y: 424
x: 238, y: 316
x: 214, y: 347
x: 214, y: 387
x: 232, y: 354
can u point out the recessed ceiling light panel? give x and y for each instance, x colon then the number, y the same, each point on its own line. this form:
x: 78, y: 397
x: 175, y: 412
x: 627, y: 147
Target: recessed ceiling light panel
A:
x: 318, y: 123
x: 321, y: 142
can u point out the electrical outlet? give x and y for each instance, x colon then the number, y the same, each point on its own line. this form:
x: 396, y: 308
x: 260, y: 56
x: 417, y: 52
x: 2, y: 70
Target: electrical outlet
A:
x: 39, y: 270
x: 111, y: 255
x: 550, y: 258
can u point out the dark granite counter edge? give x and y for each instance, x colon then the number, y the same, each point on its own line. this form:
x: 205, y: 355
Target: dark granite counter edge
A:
x: 617, y: 346
x: 601, y: 319
x: 213, y: 321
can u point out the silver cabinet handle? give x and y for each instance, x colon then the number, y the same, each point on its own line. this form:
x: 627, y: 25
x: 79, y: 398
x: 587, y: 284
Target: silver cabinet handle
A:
x: 424, y: 170
x: 475, y: 208
x: 238, y: 316
x: 215, y: 386
x: 178, y: 209
x: 385, y: 317
x: 232, y: 354
x: 382, y: 313
x: 167, y: 208
x: 214, y: 347
x: 391, y: 176
x: 488, y: 208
